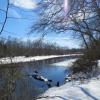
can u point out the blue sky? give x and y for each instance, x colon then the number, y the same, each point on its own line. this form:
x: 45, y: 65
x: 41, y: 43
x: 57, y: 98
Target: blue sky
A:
x: 20, y: 27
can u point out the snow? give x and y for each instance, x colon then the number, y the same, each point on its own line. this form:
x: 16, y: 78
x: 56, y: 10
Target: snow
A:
x: 45, y: 79
x: 71, y: 91
x: 39, y: 77
x: 86, y: 89
x: 65, y: 63
x: 99, y: 63
x: 9, y: 60
x: 75, y: 90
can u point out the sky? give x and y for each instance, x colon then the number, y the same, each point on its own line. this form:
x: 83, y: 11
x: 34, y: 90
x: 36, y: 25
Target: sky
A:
x: 26, y: 12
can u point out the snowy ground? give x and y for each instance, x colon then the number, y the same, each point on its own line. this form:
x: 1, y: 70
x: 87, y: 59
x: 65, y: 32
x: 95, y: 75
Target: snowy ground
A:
x: 74, y: 90
x: 18, y: 59
x: 71, y: 91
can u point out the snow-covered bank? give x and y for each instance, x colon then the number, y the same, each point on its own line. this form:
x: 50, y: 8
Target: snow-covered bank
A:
x: 99, y: 63
x: 9, y: 60
x: 65, y: 63
x: 88, y: 91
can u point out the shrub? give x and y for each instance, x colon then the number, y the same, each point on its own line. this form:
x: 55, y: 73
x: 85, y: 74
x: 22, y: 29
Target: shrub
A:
x: 83, y: 65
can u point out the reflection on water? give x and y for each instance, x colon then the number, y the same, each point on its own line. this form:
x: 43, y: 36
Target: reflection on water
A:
x: 17, y: 84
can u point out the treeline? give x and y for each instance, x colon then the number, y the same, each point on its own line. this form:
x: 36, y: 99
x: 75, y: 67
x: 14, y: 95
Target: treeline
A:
x: 15, y: 47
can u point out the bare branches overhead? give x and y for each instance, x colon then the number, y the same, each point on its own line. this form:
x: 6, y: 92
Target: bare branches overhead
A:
x: 82, y: 17
x: 6, y: 16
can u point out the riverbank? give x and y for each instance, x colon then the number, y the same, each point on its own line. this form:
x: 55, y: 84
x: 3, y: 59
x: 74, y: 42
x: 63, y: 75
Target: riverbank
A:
x: 89, y: 89
x: 71, y: 91
x: 19, y: 59
x: 47, y: 75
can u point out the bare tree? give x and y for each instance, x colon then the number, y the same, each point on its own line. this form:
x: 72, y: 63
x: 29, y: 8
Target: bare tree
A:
x: 81, y: 16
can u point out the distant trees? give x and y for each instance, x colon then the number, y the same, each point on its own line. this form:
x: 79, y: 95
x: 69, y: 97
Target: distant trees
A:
x: 14, y: 47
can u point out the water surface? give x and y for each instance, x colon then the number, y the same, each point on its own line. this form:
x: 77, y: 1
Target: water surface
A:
x: 25, y: 87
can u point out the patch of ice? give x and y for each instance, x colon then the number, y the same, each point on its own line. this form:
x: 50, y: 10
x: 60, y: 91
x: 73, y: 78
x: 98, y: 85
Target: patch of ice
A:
x: 66, y: 63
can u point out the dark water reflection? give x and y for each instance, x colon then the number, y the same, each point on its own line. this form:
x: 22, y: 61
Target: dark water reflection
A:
x: 16, y: 84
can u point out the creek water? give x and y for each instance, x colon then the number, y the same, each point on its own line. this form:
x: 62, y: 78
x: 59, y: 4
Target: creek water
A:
x: 24, y: 86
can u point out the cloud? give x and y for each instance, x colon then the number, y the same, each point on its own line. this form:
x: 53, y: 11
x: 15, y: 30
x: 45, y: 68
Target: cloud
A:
x: 26, y: 4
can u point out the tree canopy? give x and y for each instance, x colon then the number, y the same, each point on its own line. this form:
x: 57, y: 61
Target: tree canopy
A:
x: 80, y: 16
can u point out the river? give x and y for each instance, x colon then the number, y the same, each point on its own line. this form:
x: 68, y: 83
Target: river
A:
x: 18, y: 83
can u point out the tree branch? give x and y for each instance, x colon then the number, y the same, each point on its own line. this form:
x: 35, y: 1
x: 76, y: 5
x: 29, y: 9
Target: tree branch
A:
x: 6, y: 16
